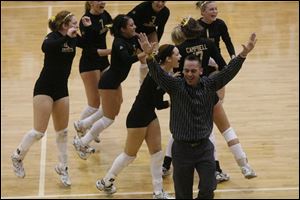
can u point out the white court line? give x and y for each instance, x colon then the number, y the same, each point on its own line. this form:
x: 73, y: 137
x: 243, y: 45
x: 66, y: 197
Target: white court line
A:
x: 121, y: 4
x: 150, y: 193
x: 44, y: 143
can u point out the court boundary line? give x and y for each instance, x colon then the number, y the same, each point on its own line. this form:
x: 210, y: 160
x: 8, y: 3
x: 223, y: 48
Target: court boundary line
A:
x: 113, y: 4
x: 150, y: 193
x: 44, y: 143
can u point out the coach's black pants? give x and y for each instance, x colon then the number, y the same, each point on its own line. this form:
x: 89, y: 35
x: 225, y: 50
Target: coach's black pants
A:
x: 186, y: 158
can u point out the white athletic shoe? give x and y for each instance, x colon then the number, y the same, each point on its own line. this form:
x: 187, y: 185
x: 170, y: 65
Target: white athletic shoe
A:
x: 221, y: 176
x: 83, y: 151
x: 162, y: 195
x: 248, y: 172
x: 100, y: 184
x: 97, y: 140
x: 80, y: 130
x: 18, y: 165
x: 64, y: 175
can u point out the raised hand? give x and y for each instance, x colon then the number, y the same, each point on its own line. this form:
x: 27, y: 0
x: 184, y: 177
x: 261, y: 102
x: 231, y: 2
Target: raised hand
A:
x: 250, y: 45
x: 86, y: 21
x: 145, y: 45
x: 177, y: 74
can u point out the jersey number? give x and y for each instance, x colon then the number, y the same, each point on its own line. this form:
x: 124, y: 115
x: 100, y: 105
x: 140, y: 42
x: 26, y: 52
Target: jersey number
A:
x: 200, y: 54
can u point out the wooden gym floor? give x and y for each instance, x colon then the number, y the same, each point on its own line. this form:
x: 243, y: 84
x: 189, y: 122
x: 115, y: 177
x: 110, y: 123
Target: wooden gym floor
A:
x: 262, y: 104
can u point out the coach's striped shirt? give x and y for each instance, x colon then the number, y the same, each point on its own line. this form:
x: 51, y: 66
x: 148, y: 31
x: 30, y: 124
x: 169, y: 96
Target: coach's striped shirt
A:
x: 191, y: 117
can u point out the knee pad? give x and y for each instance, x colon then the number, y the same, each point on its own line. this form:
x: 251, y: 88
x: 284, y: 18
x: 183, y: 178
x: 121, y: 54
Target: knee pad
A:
x: 36, y: 134
x: 229, y: 135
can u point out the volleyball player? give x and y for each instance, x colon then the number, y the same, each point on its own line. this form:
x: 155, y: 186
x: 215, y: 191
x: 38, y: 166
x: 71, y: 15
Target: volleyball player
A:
x: 150, y: 17
x: 124, y: 54
x: 91, y: 66
x: 142, y: 124
x: 51, y: 96
x: 214, y: 30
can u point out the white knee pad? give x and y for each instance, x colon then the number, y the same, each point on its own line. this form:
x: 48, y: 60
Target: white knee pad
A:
x: 236, y: 149
x: 229, y: 134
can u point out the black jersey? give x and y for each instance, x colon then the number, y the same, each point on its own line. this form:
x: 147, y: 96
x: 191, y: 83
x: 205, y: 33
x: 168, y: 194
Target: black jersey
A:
x: 95, y: 34
x: 95, y: 37
x: 59, y: 53
x: 151, y: 95
x: 142, y: 112
x: 215, y: 31
x: 123, y: 55
x: 203, y: 48
x: 147, y: 20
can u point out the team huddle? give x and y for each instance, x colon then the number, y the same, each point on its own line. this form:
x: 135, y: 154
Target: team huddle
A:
x: 191, y: 71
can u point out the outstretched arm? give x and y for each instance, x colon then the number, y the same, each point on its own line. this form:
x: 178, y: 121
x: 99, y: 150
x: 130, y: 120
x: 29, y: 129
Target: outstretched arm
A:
x: 220, y: 79
x: 162, y: 78
x: 250, y: 45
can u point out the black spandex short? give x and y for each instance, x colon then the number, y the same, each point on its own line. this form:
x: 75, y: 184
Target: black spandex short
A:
x: 86, y: 64
x: 109, y: 81
x: 55, y: 91
x: 140, y: 117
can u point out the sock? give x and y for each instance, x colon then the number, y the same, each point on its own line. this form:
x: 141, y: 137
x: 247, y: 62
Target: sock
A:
x: 28, y: 140
x: 87, y: 138
x: 143, y: 72
x: 96, y: 129
x: 236, y: 149
x: 239, y: 154
x: 89, y: 121
x: 61, y: 142
x: 122, y: 161
x: 156, y: 171
x: 87, y: 112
